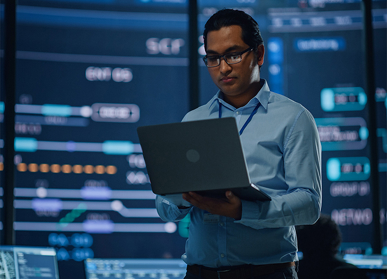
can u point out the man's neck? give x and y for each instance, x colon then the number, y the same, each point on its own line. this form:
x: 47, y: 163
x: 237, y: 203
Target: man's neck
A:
x: 241, y: 99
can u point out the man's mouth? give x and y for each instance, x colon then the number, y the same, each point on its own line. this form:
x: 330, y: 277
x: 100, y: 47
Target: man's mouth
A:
x: 227, y: 79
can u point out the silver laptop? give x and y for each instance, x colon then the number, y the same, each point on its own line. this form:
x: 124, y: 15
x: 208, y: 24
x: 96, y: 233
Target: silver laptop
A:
x: 204, y: 156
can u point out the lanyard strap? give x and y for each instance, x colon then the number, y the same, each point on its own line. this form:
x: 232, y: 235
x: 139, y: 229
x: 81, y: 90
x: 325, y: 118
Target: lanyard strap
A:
x: 248, y: 119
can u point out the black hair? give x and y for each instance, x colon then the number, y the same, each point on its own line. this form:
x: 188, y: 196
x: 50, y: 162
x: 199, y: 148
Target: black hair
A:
x: 251, y: 34
x: 323, y: 237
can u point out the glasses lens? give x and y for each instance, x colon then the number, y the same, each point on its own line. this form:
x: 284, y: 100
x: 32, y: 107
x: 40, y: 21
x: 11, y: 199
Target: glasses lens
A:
x: 212, y: 61
x: 233, y: 58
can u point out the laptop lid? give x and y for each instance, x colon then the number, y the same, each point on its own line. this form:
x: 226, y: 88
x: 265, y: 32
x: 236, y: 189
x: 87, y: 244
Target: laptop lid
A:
x: 134, y: 268
x: 28, y: 262
x: 203, y: 155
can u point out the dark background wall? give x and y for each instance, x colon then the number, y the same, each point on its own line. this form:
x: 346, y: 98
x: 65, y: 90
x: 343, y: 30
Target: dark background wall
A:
x: 88, y: 73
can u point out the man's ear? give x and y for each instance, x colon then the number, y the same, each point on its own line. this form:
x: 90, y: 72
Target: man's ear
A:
x: 260, y: 54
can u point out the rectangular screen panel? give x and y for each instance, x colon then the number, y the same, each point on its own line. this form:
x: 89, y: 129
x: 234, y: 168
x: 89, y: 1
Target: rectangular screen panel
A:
x: 20, y: 262
x: 318, y: 69
x: 312, y: 60
x: 367, y: 261
x: 134, y: 268
x: 88, y: 74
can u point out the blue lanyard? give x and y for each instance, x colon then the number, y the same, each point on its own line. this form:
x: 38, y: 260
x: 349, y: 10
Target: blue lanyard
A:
x: 248, y: 119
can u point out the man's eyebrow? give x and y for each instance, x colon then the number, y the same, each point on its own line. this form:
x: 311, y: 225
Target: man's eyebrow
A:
x: 230, y: 49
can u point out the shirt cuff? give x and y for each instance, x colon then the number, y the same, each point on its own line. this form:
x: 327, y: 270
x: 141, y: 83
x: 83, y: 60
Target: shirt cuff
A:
x: 250, y: 211
x: 175, y: 199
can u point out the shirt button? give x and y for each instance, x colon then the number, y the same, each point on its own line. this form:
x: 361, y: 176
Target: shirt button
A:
x: 221, y: 224
x: 222, y: 255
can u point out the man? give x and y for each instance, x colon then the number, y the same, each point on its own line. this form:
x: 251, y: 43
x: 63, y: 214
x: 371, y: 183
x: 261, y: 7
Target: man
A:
x: 234, y: 238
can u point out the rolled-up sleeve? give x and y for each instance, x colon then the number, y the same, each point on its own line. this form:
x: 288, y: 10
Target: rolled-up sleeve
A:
x: 301, y: 203
x: 168, y: 211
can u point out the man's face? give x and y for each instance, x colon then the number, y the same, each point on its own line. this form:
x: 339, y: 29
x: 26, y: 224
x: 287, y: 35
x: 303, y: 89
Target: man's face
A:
x: 239, y: 82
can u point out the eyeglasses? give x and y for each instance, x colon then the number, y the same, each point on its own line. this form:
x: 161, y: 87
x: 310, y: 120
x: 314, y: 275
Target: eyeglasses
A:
x: 229, y: 58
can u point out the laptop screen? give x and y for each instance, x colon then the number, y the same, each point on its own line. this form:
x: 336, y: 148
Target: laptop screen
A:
x: 18, y: 262
x: 135, y: 268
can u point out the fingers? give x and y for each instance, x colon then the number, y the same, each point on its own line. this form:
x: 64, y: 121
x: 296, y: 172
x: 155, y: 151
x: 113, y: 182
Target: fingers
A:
x: 232, y: 198
x: 229, y: 195
x: 193, y: 197
x: 197, y: 200
x: 236, y: 205
x: 190, y: 196
x: 229, y: 206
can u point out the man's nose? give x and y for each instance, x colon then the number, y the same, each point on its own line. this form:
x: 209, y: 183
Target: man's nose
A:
x: 223, y: 66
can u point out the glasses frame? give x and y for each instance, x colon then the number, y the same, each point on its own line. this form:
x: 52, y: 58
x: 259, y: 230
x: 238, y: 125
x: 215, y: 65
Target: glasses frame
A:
x: 219, y: 57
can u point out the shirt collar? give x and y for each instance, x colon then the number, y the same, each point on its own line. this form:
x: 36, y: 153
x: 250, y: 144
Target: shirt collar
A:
x: 261, y: 97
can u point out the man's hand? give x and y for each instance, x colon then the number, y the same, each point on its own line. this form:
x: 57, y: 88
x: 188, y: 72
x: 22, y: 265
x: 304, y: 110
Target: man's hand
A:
x: 231, y: 206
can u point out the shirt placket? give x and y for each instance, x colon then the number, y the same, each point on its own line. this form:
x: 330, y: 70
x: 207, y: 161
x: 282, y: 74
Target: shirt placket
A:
x: 238, y: 115
x: 222, y: 240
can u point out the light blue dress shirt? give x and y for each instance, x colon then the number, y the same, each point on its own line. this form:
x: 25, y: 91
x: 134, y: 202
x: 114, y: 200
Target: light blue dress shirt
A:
x: 283, y: 155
